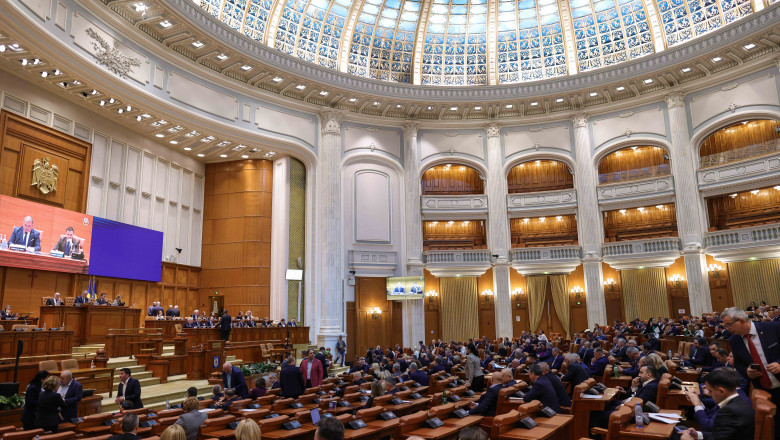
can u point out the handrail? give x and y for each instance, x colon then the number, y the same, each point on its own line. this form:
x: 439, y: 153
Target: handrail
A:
x: 738, y: 154
x: 457, y: 256
x: 649, y: 246
x: 635, y: 174
x: 546, y: 253
x: 734, y: 237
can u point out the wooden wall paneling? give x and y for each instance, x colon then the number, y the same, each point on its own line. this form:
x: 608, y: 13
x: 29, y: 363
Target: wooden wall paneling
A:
x: 629, y: 159
x: 740, y: 135
x: 455, y: 179
x: 487, y: 310
x: 22, y: 141
x: 461, y: 234
x: 350, y: 337
x: 551, y: 231
x: 578, y: 312
x: 432, y: 309
x: 634, y: 224
x: 613, y: 295
x: 519, y: 305
x: 745, y: 209
x: 720, y: 286
x: 678, y: 296
x: 544, y: 175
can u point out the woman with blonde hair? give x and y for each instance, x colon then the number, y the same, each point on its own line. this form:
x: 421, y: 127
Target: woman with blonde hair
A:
x: 247, y: 429
x: 655, y: 360
x: 173, y: 432
x: 375, y: 369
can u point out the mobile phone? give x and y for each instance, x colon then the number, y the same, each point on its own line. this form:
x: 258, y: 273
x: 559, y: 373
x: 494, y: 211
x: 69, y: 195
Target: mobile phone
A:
x: 680, y: 429
x: 755, y: 367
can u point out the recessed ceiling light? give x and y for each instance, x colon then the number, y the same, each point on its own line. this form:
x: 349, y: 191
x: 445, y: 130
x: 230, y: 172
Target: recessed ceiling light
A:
x: 685, y: 69
x: 36, y: 61
x: 165, y: 24
x: 430, y: 107
x: 277, y: 79
x: 593, y: 94
x: 749, y: 46
x: 201, y: 154
x: 138, y: 118
x: 534, y: 104
x: 477, y: 108
x: 398, y: 106
x: 129, y: 108
x: 223, y: 155
x: 300, y: 87
x: 559, y: 100
x: 94, y: 92
x: 352, y: 99
x: 111, y: 101
x: 244, y: 156
x: 620, y: 88
x: 376, y: 103
x: 198, y: 44
x: 44, y: 74
x: 246, y: 67
x: 648, y: 81
x: 323, y: 93
x: 120, y: 111
x: 716, y: 59
x: 140, y: 7
x: 159, y: 135
x: 222, y: 57
x: 2, y: 47
x: 174, y: 142
x: 509, y: 106
x: 453, y: 109
x: 76, y: 82
x: 187, y: 149
x: 24, y: 61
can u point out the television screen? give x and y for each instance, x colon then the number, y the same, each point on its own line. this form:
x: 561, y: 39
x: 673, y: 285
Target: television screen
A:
x: 120, y: 250
x: 38, y: 236
x: 402, y: 288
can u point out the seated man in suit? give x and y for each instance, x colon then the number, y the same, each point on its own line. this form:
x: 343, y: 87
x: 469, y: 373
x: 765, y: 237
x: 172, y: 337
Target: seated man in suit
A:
x: 645, y: 385
x: 232, y: 378
x: 734, y: 417
x: 557, y: 359
x: 189, y: 323
x: 599, y: 363
x: 102, y: 300
x: 71, y: 392
x: 7, y: 313
x: 82, y: 299
x: 486, y: 405
x: 390, y: 386
x: 542, y: 390
x: 417, y: 375
x: 700, y: 354
x: 55, y: 300
x: 558, y: 386
x: 68, y: 244
x: 26, y: 236
x: 576, y: 373
x: 129, y: 389
x: 619, y: 350
x: 632, y: 355
x: 129, y: 428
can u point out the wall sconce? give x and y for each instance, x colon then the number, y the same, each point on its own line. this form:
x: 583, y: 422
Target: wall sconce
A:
x: 487, y: 293
x: 431, y: 294
x: 609, y: 282
x: 715, y: 270
x: 677, y: 280
x: 375, y: 312
x: 518, y: 294
x: 577, y: 291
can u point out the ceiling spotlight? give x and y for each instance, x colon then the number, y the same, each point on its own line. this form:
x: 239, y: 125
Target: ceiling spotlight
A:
x: 140, y: 7
x: 542, y: 219
x: 352, y: 99
x: 716, y: 59
x: 559, y: 100
x: 120, y: 111
x: 159, y: 135
x: 2, y: 47
x: 685, y: 69
x: 244, y: 156
x: 102, y: 103
x: 477, y: 108
x: 434, y: 223
x: 222, y: 57
x: 44, y: 74
x: 430, y: 107
x: 128, y: 108
x: 622, y: 211
x: 300, y: 87
x: 648, y: 81
x: 174, y: 142
x: 749, y: 46
x: 35, y: 62
x: 187, y: 149
x: 509, y: 106
x: 640, y: 209
x: 558, y: 217
x: 76, y: 82
x: 201, y: 154
x: 111, y: 101
x: 277, y: 79
x: 534, y: 104
x: 24, y: 61
x: 198, y: 44
x: 246, y: 67
x: 620, y: 88
x: 323, y: 93
x: 57, y: 72
x: 453, y: 109
x: 376, y: 103
x: 94, y: 92
x: 593, y: 94
x: 165, y: 24
x: 223, y: 155
x: 138, y: 118
x: 777, y: 187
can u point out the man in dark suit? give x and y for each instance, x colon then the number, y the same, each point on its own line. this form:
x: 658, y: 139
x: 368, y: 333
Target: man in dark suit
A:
x: 557, y: 359
x: 633, y: 359
x: 486, y: 405
x: 542, y: 390
x: 700, y: 354
x: 290, y: 379
x: 233, y: 378
x: 82, y: 299
x: 129, y: 389
x: 224, y: 325
x: 576, y: 373
x: 417, y: 375
x: 55, y: 300
x: 320, y: 356
x: 68, y: 244
x: 619, y: 350
x: 599, y: 363
x: 129, y: 428
x: 735, y: 417
x: 71, y: 392
x: 558, y: 386
x: 26, y: 236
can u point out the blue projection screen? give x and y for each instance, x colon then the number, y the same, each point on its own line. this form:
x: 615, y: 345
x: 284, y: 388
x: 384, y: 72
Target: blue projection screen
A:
x: 120, y: 250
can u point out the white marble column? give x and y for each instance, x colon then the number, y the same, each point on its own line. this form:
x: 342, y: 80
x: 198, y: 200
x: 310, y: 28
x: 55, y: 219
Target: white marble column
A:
x: 331, y: 258
x: 413, y: 311
x: 689, y: 206
x: 498, y: 230
x: 280, y: 239
x: 590, y: 229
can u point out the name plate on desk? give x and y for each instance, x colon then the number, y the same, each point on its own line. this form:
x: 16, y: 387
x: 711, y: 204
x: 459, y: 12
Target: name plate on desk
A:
x: 356, y: 424
x: 454, y: 398
x: 460, y: 413
x: 415, y: 396
x: 296, y: 405
x: 526, y: 423
x: 434, y: 423
x: 17, y: 247
x: 291, y: 425
x: 388, y: 415
x: 57, y: 254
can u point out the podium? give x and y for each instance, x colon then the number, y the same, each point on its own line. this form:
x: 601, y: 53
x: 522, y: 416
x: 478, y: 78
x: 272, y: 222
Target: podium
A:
x: 90, y: 323
x: 206, y: 358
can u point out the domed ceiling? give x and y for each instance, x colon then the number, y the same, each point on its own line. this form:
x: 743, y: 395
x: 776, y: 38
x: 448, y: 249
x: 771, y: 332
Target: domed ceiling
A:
x: 473, y: 42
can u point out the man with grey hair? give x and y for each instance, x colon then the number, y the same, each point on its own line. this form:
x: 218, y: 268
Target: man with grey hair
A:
x: 71, y: 392
x: 129, y: 428
x: 576, y: 373
x: 619, y: 350
x: 416, y: 375
x: 542, y: 390
x: 557, y: 359
x: 633, y: 358
x: 756, y: 350
x: 508, y: 377
x: 26, y: 236
x: 272, y: 381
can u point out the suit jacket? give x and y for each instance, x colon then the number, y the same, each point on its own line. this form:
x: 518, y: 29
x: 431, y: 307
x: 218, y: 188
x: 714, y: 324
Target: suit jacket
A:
x: 545, y: 356
x: 576, y: 373
x: 769, y: 335
x: 72, y: 399
x: 133, y: 392
x: 735, y: 420
x: 324, y: 361
x: 486, y: 405
x: 81, y: 300
x: 560, y: 389
x: 316, y: 371
x: 30, y: 404
x: 597, y: 369
x: 587, y: 357
x: 237, y: 382
x: 543, y: 391
x: 51, y: 302
x: 648, y: 392
x: 34, y: 241
x: 420, y: 377
x: 49, y: 404
x: 556, y: 362
x: 191, y: 422
x: 224, y: 323
x: 62, y: 245
x: 700, y: 356
x: 124, y: 436
x: 620, y: 354
x: 291, y: 381
x: 633, y: 370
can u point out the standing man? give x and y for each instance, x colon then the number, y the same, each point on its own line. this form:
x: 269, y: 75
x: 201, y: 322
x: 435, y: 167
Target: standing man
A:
x: 311, y: 370
x: 341, y: 350
x: 129, y: 389
x: 224, y: 325
x: 71, y: 392
x: 290, y: 379
x: 232, y: 378
x: 26, y: 236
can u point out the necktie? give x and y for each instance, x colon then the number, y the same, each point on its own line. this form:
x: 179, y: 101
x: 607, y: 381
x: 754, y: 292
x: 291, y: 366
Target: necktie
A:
x: 26, y: 236
x: 765, y: 382
x: 67, y: 248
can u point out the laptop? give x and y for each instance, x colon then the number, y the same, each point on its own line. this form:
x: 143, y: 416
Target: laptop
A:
x: 315, y: 416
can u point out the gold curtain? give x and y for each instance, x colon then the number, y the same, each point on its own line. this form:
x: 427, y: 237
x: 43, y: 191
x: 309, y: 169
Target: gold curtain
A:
x: 644, y: 293
x: 537, y: 287
x: 755, y: 281
x: 459, y: 308
x: 559, y: 287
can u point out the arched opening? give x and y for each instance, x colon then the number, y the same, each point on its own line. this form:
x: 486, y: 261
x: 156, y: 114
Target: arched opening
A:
x: 454, y: 235
x: 452, y: 179
x: 755, y: 207
x: 539, y: 175
x: 640, y: 223
x: 739, y: 141
x: 634, y: 163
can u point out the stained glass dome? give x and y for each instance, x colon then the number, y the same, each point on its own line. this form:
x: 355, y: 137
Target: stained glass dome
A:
x: 474, y: 42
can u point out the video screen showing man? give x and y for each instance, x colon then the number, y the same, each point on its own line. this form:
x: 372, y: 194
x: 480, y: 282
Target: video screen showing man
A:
x: 415, y: 288
x: 26, y: 236
x: 399, y: 289
x: 68, y: 244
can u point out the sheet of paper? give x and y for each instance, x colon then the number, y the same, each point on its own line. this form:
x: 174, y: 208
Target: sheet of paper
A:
x: 590, y: 396
x: 668, y: 421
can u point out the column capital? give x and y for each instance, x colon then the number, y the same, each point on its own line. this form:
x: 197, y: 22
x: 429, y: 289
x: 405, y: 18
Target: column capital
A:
x: 410, y: 128
x: 674, y: 100
x: 580, y: 120
x: 330, y: 121
x: 493, y: 130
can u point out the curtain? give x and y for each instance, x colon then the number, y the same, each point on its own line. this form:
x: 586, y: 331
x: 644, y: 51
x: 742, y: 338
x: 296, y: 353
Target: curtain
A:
x: 459, y: 308
x: 537, y: 287
x: 644, y: 293
x: 755, y: 281
x: 559, y: 287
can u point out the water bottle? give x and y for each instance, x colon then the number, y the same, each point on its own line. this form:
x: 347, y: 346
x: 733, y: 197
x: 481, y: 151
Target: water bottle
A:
x: 443, y: 397
x: 92, y: 365
x: 615, y: 372
x: 639, y: 416
x: 670, y: 354
x: 3, y: 243
x: 167, y: 404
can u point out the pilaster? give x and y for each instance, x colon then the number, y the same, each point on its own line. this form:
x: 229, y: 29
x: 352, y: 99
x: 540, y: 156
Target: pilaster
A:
x: 413, y: 311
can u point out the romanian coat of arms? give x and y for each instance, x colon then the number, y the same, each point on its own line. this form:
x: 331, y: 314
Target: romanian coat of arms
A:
x: 45, y: 175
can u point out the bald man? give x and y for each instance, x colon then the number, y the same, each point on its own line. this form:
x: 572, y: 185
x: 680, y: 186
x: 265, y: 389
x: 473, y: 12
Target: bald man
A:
x: 233, y: 378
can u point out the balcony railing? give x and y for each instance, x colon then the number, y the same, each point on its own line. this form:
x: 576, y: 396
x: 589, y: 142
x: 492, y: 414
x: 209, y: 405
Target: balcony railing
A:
x: 633, y: 254
x: 550, y: 259
x: 635, y: 174
x: 729, y: 245
x: 455, y: 204
x: 457, y: 257
x: 738, y: 154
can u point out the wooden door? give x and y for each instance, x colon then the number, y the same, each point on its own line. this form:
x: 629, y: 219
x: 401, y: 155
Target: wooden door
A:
x: 614, y: 310
x: 721, y: 299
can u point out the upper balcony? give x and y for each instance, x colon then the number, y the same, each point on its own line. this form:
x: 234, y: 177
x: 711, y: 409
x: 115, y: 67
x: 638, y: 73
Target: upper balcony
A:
x: 639, y: 254
x: 550, y: 259
x: 449, y: 263
x: 756, y: 242
x: 454, y: 206
x: 634, y: 176
x: 543, y: 187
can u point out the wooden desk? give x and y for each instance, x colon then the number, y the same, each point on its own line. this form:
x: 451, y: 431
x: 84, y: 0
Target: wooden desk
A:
x: 198, y: 336
x: 654, y: 430
x: 305, y: 432
x: 8, y: 324
x: 90, y: 324
x: 124, y: 342
x: 99, y: 379
x: 408, y: 408
x: 583, y: 406
x: 37, y: 343
x: 42, y: 261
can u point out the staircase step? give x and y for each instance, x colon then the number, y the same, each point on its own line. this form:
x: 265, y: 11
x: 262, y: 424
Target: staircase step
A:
x: 135, y: 374
x: 146, y: 381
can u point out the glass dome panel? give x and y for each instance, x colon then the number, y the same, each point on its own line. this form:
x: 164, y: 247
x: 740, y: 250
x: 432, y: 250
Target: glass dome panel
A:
x: 683, y: 20
x: 311, y: 30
